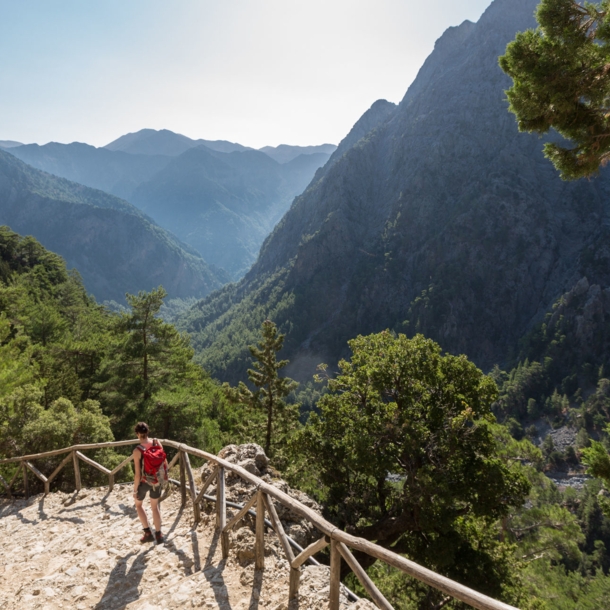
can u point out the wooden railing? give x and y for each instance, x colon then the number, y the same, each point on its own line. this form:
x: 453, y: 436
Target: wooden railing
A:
x: 262, y: 500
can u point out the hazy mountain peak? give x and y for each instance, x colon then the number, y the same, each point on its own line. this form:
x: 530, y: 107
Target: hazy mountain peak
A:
x: 151, y: 141
x: 455, y: 35
x: 9, y: 143
x: 115, y: 247
x: 284, y: 153
x: 166, y: 142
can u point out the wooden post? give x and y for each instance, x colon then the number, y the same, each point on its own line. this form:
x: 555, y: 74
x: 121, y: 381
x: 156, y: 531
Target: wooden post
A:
x: 363, y: 577
x: 77, y: 482
x: 312, y: 549
x: 110, y: 482
x: 174, y: 460
x: 121, y: 465
x: 242, y: 513
x: 15, y: 477
x: 26, y: 486
x: 335, y: 576
x: 193, y: 489
x: 295, y: 573
x: 293, y: 584
x: 260, y: 532
x: 93, y: 463
x: 211, y: 477
x: 221, y: 512
x: 38, y: 474
x: 182, y: 480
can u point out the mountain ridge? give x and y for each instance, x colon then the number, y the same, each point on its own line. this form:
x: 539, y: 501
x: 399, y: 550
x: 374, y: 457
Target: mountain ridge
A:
x: 224, y: 215
x: 115, y: 247
x: 442, y: 219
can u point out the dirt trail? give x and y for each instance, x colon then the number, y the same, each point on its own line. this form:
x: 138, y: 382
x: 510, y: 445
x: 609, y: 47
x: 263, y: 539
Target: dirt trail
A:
x: 82, y: 551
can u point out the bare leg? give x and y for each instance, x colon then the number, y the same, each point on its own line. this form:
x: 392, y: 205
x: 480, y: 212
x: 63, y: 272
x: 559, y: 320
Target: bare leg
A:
x: 142, y: 514
x: 156, y: 514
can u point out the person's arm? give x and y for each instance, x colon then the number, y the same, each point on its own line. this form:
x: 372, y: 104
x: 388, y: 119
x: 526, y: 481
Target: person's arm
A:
x: 138, y: 476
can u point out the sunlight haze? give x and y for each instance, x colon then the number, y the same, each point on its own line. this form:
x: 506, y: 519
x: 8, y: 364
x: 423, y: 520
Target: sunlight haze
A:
x: 256, y: 72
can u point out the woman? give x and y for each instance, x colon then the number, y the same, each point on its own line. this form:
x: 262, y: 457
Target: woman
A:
x: 141, y: 487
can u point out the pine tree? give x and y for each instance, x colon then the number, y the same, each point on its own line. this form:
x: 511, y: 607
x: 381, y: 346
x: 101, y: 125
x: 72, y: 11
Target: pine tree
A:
x: 561, y: 81
x: 271, y: 389
x: 149, y: 355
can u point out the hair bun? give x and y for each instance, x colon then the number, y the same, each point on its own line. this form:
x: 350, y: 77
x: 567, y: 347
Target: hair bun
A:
x: 141, y: 428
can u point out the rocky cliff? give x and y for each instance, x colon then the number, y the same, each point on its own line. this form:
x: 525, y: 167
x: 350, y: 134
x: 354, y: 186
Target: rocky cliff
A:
x: 436, y: 216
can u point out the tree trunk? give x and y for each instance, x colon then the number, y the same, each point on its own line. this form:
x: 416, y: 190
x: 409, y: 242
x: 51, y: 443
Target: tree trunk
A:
x: 269, y: 423
x: 145, y: 364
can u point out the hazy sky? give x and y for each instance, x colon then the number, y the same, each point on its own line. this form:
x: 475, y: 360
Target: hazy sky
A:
x: 256, y: 72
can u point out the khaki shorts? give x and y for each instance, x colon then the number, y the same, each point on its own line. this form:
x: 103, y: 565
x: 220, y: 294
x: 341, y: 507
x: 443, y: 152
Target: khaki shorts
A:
x: 144, y: 488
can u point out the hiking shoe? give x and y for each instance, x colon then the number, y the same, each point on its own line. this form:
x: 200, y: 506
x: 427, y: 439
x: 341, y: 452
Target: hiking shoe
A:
x: 148, y: 537
x: 159, y: 537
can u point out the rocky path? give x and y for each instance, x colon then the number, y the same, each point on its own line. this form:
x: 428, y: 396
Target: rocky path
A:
x: 82, y: 551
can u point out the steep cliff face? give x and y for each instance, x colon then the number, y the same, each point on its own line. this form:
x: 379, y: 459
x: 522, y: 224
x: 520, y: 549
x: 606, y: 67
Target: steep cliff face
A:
x: 115, y: 247
x: 441, y: 218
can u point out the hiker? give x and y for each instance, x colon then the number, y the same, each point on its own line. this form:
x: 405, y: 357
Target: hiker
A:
x: 151, y: 475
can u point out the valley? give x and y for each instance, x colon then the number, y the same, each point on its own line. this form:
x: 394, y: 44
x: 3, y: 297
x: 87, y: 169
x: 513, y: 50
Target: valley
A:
x: 414, y: 324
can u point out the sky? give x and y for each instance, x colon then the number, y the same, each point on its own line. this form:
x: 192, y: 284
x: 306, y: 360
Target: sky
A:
x: 257, y: 72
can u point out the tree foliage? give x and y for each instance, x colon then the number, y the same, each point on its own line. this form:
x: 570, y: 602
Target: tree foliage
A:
x: 561, y: 81
x: 597, y: 458
x: 271, y: 390
x: 71, y: 371
x: 404, y: 449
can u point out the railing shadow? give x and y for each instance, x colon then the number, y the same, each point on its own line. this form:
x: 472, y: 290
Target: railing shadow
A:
x: 124, y: 582
x: 257, y: 585
x: 217, y: 585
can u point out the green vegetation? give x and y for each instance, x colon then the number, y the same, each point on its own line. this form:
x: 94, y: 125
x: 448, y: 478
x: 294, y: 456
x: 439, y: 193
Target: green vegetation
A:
x: 399, y: 407
x: 70, y: 370
x: 271, y: 391
x: 561, y: 373
x: 560, y: 81
x: 226, y: 323
x: 401, y: 447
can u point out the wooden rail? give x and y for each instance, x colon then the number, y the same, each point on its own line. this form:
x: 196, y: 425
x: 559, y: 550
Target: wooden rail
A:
x: 263, y: 497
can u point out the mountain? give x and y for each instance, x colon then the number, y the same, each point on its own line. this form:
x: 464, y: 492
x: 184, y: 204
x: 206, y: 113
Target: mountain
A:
x: 225, y: 214
x: 9, y: 144
x: 165, y: 142
x: 225, y: 204
x: 436, y: 216
x: 285, y: 153
x: 115, y: 172
x: 114, y: 246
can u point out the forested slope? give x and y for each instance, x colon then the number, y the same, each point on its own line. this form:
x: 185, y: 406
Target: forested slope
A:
x: 116, y: 248
x: 442, y: 219
x: 72, y: 371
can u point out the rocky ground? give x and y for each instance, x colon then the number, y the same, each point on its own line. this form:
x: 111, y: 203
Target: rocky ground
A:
x: 82, y: 550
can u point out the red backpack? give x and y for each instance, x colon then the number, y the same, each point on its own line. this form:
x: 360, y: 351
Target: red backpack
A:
x: 154, y: 468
